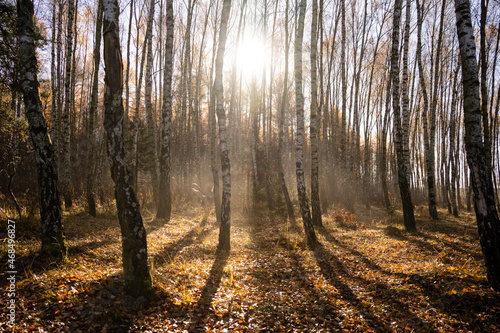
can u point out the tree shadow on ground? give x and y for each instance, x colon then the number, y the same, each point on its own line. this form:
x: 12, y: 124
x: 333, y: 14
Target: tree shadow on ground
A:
x: 170, y: 251
x: 429, y: 242
x: 449, y: 226
x: 351, y: 286
x: 364, y: 259
x: 89, y: 246
x: 76, y: 226
x: 103, y: 306
x: 446, y: 293
x: 202, y: 308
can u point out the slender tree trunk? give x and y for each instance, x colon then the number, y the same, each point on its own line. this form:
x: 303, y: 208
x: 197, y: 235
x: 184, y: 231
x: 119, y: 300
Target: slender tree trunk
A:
x: 212, y: 123
x: 127, y: 73
x: 405, y: 92
x: 53, y: 77
x: 356, y: 118
x: 225, y: 225
x: 484, y: 87
x: 57, y: 126
x: 165, y: 198
x: 186, y: 93
x: 453, y: 152
x: 137, y: 119
x: 299, y: 104
x: 399, y: 132
x: 150, y: 140
x: 315, y: 202
x: 431, y: 188
x: 383, y: 148
x: 484, y: 204
x: 343, y: 74
x: 281, y: 120
x: 138, y: 279
x: 197, y: 109
x: 53, y: 240
x: 367, y: 174
x: 92, y: 111
x: 66, y: 169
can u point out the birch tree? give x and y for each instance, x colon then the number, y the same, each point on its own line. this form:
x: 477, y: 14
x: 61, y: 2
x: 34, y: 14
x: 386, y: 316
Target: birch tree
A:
x: 431, y: 188
x: 53, y: 239
x: 150, y: 142
x: 225, y: 225
x: 482, y: 184
x: 66, y: 135
x: 138, y: 279
x: 165, y: 198
x: 92, y: 112
x: 399, y: 132
x: 281, y: 120
x: 299, y: 105
x: 315, y: 203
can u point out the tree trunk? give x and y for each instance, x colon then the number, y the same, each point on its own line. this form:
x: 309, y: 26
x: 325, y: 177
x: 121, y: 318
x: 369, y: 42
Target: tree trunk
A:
x: 299, y: 105
x: 185, y: 94
x: 315, y: 202
x: 66, y: 135
x: 56, y: 138
x: 150, y: 140
x: 92, y: 111
x: 431, y: 188
x: 343, y: 74
x: 138, y: 279
x: 484, y: 203
x: 367, y: 174
x: 165, y: 198
x: 281, y: 121
x: 225, y: 225
x: 484, y: 87
x: 383, y: 148
x: 197, y: 109
x: 212, y: 124
x: 53, y: 77
x: 137, y: 119
x: 400, y: 134
x: 127, y: 73
x: 356, y: 118
x: 53, y: 240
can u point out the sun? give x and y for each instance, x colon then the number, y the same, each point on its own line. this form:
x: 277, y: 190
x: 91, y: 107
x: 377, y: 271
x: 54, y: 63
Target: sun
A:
x: 252, y: 57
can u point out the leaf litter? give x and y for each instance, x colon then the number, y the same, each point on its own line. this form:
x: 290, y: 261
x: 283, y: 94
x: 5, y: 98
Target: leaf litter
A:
x: 366, y: 275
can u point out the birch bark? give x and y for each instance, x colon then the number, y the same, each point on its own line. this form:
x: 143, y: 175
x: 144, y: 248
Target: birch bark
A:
x: 138, y: 279
x: 53, y: 240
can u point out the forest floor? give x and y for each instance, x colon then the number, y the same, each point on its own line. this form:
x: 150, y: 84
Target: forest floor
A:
x: 368, y: 275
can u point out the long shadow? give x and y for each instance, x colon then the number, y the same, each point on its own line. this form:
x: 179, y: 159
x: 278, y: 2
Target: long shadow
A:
x: 324, y: 309
x: 170, y: 251
x: 208, y: 292
x: 400, y: 235
x: 447, y: 227
x: 369, y: 263
x: 83, y: 248
x: 431, y: 286
x: 103, y: 305
x: 333, y: 270
x: 98, y: 225
x: 32, y: 263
